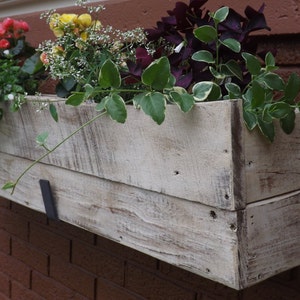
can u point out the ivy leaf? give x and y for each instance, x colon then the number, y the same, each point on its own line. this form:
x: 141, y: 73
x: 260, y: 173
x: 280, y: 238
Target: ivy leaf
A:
x: 234, y: 91
x: 258, y: 95
x: 269, y: 60
x: 273, y: 81
x: 116, y: 108
x: 204, y: 56
x: 221, y: 14
x: 157, y: 74
x: 267, y: 129
x: 109, y: 75
x: 292, y: 88
x: 41, y: 139
x: 75, y: 99
x: 201, y: 90
x: 184, y: 100
x: 234, y: 69
x: 53, y: 112
x: 232, y: 44
x: 252, y: 63
x: 8, y: 185
x: 250, y: 119
x: 154, y: 105
x: 279, y: 110
x: 288, y: 122
x: 206, y: 33
x: 206, y: 90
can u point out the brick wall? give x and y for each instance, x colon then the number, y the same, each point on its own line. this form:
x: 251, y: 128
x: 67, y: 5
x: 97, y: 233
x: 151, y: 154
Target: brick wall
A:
x: 42, y: 259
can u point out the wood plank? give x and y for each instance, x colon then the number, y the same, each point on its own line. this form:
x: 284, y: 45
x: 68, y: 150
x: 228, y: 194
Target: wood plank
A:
x: 273, y: 237
x: 272, y: 169
x: 186, y: 234
x: 188, y: 156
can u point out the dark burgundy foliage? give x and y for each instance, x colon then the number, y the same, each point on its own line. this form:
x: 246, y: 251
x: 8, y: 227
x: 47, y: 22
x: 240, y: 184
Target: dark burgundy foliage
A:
x: 178, y: 27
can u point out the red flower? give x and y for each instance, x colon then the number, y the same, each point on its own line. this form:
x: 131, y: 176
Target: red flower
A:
x: 4, y: 44
x: 2, y: 30
x: 8, y: 23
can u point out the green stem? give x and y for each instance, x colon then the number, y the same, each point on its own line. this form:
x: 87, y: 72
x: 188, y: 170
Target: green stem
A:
x: 54, y: 148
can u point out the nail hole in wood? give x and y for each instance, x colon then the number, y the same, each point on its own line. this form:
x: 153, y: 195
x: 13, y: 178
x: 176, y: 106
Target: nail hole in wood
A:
x: 213, y: 214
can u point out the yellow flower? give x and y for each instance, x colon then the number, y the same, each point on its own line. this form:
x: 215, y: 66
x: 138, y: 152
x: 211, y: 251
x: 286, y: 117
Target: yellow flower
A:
x: 68, y: 18
x: 84, y: 36
x: 58, y: 32
x: 84, y: 20
x: 96, y: 25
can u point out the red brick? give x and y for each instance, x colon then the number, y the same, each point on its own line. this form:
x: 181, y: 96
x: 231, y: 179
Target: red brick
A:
x: 14, y: 224
x: 98, y: 262
x: 49, y: 242
x: 4, y: 284
x: 4, y: 202
x: 154, y: 287
x: 202, y: 285
x: 26, y: 253
x: 15, y: 269
x: 73, y: 277
x: 71, y: 231
x: 108, y: 291
x: 4, y: 241
x: 20, y: 292
x: 29, y: 213
x: 126, y: 252
x: 270, y: 290
x: 51, y: 289
x: 3, y: 297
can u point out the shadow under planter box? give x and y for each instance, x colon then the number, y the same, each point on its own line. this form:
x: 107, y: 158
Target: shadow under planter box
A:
x: 199, y: 191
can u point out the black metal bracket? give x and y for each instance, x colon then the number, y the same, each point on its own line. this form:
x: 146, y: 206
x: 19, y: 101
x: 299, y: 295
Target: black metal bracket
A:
x: 48, y: 199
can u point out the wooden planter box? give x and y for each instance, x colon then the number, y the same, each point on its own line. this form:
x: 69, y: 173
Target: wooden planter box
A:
x: 199, y: 191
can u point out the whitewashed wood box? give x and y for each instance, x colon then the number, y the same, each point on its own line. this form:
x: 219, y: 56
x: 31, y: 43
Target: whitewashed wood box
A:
x: 199, y: 191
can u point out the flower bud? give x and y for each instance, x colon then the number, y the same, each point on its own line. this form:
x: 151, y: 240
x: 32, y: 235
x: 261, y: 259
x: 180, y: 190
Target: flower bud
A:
x: 84, y: 20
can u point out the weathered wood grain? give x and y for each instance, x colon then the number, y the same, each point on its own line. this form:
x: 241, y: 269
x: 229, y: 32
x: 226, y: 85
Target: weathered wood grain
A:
x: 237, y: 248
x: 188, y: 156
x: 186, y: 234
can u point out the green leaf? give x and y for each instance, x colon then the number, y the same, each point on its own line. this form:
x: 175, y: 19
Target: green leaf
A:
x: 206, y: 90
x: 201, y: 90
x: 206, y: 33
x: 258, y: 95
x: 292, y: 88
x: 184, y: 100
x: 75, y: 99
x: 8, y: 185
x: 232, y: 44
x: 109, y: 75
x: 234, y: 69
x: 234, y: 91
x: 116, y: 108
x: 219, y: 75
x: 32, y: 64
x: 154, y: 105
x: 221, y: 14
x: 53, y: 112
x: 157, y: 74
x: 204, y: 56
x: 279, y: 110
x: 41, y: 139
x: 101, y: 105
x: 273, y: 81
x: 266, y: 116
x: 288, y: 122
x: 250, y: 119
x: 215, y: 93
x: 252, y: 63
x: 269, y: 60
x: 267, y: 129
